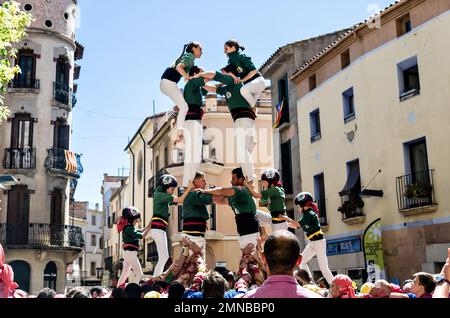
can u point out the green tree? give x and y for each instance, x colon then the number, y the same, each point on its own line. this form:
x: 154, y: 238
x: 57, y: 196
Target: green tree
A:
x: 13, y: 23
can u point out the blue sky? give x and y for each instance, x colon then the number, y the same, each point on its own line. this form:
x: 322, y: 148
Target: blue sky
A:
x: 130, y: 43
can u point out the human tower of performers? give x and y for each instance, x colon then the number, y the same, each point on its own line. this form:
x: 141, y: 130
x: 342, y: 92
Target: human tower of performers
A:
x: 263, y: 258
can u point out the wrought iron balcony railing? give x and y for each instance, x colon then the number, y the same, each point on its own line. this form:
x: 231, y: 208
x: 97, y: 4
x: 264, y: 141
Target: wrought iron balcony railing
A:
x: 63, y: 95
x: 24, y: 85
x: 20, y: 158
x: 64, y: 162
x: 415, y: 190
x: 41, y: 235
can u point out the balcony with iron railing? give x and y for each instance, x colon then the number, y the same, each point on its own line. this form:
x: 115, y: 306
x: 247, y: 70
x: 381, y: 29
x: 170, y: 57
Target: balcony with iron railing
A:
x: 63, y: 96
x: 415, y: 193
x: 64, y: 162
x: 41, y: 236
x: 352, y: 211
x: 24, y: 85
x: 19, y: 159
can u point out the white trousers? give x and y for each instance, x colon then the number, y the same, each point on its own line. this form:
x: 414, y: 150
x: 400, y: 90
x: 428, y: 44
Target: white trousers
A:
x: 253, y: 90
x: 171, y: 90
x: 200, y: 241
x: 245, y: 132
x: 160, y: 238
x: 319, y: 249
x: 193, y: 148
x: 245, y: 240
x: 131, y: 262
x: 265, y: 218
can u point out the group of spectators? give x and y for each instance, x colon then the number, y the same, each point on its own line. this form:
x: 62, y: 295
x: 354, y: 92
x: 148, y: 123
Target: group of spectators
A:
x: 269, y: 270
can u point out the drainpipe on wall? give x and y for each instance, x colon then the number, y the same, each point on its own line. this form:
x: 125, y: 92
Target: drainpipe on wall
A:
x: 145, y: 174
x: 134, y: 164
x: 144, y: 192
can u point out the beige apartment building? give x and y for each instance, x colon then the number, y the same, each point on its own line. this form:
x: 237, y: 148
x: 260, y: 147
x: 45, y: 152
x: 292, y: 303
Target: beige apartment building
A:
x: 160, y: 154
x: 373, y: 111
x: 36, y: 149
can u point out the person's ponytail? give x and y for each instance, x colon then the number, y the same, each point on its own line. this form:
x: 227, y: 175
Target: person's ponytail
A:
x: 182, y: 53
x: 235, y: 44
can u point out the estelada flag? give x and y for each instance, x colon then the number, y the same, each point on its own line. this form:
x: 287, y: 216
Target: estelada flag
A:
x: 279, y: 113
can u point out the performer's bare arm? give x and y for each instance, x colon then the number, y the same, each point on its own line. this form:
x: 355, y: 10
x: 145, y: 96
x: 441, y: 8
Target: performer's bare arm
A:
x: 181, y: 199
x: 206, y: 75
x: 225, y: 192
x: 249, y: 76
x: 180, y: 69
x: 252, y: 190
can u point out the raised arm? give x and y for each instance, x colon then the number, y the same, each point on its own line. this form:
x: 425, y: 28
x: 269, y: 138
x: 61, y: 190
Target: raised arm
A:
x: 442, y: 291
x: 225, y: 192
x: 252, y: 190
x: 206, y: 75
x: 181, y: 199
x: 180, y: 68
x: 249, y: 76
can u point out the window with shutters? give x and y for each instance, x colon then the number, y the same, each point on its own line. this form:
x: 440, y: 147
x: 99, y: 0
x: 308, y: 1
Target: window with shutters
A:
x: 26, y: 60
x: 286, y: 167
x: 61, y: 135
x: 22, y: 131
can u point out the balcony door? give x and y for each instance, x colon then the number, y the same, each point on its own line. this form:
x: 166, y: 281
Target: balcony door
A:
x: 62, y: 71
x: 418, y: 160
x: 56, y: 219
x: 22, y: 131
x: 18, y: 215
x: 26, y: 60
x: 20, y: 156
x: 61, y: 135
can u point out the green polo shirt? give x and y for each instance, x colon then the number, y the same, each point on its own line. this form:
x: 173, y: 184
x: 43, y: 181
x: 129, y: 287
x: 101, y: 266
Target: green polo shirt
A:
x: 193, y: 92
x: 187, y: 59
x: 276, y: 196
x: 161, y: 202
x: 131, y: 235
x: 194, y: 206
x: 231, y: 91
x: 242, y: 202
x: 309, y: 222
x: 242, y: 62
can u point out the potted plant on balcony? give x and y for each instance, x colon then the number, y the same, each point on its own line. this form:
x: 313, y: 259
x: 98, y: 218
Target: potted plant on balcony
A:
x: 350, y: 207
x: 418, y: 191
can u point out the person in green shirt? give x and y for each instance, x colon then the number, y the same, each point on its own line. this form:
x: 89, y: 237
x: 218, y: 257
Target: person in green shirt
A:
x: 317, y: 245
x: 253, y: 82
x: 162, y: 199
x: 242, y: 114
x: 195, y: 212
x: 193, y: 132
x: 130, y: 238
x: 273, y: 193
x: 243, y: 205
x: 172, y: 75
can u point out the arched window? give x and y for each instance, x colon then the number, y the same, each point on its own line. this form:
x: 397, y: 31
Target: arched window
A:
x: 50, y: 275
x: 22, y: 275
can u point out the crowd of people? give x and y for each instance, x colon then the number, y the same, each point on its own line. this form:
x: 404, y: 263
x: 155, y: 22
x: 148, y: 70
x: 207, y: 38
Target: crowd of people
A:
x: 269, y: 270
